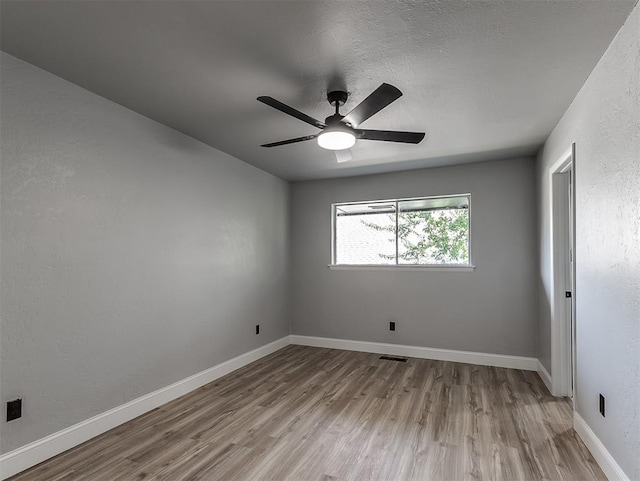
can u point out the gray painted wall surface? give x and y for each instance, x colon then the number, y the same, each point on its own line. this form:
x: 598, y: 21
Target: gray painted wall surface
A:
x: 604, y: 121
x: 492, y: 309
x: 132, y: 256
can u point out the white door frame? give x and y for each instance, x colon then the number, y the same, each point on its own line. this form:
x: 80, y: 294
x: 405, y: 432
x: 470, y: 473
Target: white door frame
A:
x: 562, y: 334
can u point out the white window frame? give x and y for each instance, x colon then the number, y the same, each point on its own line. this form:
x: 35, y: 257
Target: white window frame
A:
x: 433, y: 267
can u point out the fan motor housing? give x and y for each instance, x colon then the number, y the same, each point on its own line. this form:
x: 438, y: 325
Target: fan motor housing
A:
x: 334, y: 119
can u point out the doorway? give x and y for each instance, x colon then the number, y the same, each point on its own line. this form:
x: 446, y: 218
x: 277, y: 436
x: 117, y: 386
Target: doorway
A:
x: 563, y: 326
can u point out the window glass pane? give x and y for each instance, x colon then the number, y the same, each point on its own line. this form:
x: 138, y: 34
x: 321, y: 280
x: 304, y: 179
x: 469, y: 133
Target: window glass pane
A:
x: 433, y: 231
x: 365, y: 233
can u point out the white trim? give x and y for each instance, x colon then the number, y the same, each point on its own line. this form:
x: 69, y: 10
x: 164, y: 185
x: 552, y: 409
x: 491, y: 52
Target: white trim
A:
x: 544, y: 375
x: 27, y: 456
x: 563, y: 163
x: 395, y: 267
x: 479, y: 358
x: 611, y: 468
x: 560, y: 323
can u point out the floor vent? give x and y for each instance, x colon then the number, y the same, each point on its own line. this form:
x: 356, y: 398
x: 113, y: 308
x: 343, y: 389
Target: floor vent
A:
x: 391, y: 358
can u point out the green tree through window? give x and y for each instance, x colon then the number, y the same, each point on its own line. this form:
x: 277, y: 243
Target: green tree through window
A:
x: 429, y: 236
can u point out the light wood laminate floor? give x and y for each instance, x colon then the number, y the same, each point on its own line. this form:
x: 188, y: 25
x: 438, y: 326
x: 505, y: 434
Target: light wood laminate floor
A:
x: 315, y: 414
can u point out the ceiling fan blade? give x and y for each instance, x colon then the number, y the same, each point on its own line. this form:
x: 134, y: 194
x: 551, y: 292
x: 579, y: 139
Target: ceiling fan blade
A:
x: 290, y: 141
x: 391, y: 136
x: 343, y: 155
x: 374, y: 103
x: 276, y: 104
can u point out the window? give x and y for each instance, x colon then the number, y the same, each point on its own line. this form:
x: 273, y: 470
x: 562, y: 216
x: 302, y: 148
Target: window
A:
x: 418, y: 231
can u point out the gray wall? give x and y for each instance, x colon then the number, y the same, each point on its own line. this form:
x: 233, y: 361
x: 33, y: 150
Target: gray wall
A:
x: 604, y: 121
x: 132, y: 256
x: 492, y: 309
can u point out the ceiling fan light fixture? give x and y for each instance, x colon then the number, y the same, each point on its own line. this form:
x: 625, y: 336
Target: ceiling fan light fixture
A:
x: 336, y: 139
x: 339, y: 132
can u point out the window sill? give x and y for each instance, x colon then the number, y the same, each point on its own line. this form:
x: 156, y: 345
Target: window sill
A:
x: 362, y: 267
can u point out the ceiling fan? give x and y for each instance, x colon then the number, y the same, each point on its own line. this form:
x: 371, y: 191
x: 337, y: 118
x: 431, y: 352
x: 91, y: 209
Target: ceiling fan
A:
x: 340, y: 132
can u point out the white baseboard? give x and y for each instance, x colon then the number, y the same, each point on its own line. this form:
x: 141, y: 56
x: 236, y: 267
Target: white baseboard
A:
x: 31, y: 454
x: 545, y: 376
x: 479, y: 358
x: 604, y: 459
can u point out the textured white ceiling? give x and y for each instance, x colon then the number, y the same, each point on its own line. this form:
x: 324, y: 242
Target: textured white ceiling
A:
x: 485, y: 79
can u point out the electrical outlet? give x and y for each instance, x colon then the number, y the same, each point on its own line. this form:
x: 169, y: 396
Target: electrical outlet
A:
x: 257, y: 328
x: 392, y: 325
x: 602, y: 405
x: 14, y: 409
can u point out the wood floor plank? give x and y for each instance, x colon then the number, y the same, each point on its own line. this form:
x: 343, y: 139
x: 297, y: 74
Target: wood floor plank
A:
x: 310, y: 414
